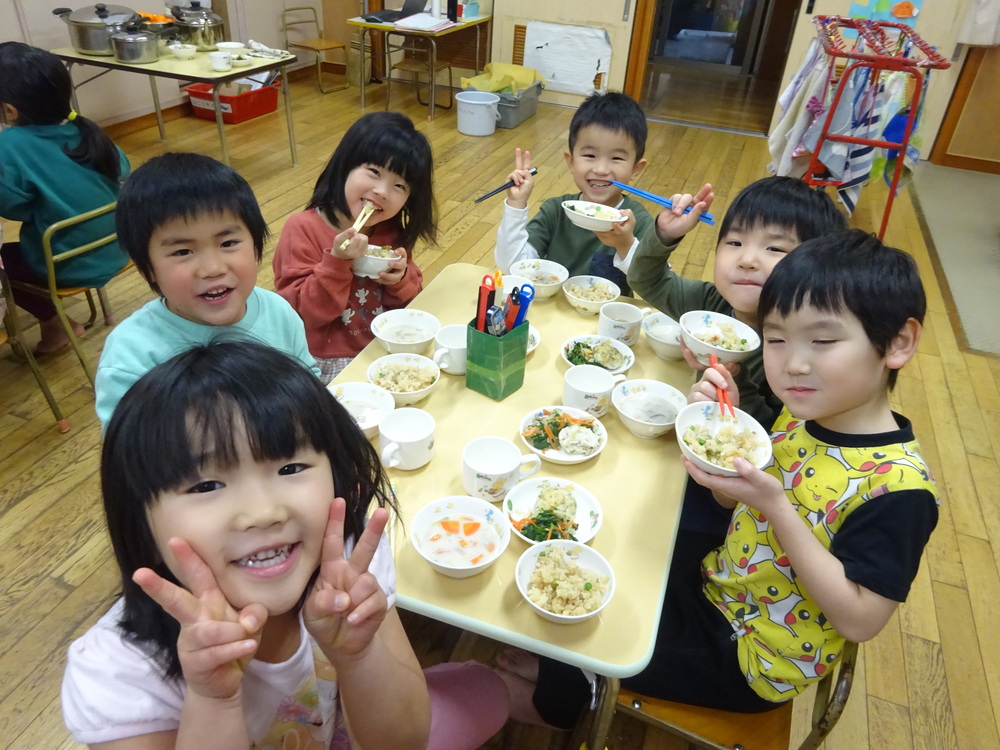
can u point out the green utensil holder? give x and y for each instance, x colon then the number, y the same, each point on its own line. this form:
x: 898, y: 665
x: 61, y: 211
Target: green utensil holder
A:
x: 495, y: 364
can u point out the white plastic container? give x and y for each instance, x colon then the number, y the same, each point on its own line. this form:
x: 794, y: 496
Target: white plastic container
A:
x: 478, y: 112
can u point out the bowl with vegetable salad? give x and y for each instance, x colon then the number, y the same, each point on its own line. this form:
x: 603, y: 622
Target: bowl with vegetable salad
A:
x: 603, y: 351
x: 563, y: 434
x: 543, y: 508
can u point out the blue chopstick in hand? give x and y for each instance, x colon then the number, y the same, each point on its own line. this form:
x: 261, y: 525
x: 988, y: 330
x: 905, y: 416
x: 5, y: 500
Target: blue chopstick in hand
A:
x: 660, y: 200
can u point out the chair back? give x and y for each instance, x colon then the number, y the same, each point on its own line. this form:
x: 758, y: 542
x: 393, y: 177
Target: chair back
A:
x: 51, y: 257
x: 303, y: 15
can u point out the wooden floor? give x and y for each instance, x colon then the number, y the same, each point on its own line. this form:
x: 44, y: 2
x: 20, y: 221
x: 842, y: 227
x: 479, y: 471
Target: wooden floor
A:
x: 930, y: 681
x: 685, y: 92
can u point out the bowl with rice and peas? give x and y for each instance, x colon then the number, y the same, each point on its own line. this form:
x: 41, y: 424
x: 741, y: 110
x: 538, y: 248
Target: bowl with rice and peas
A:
x: 706, y: 333
x: 375, y: 260
x: 408, y: 377
x: 593, y: 216
x: 711, y: 439
x: 563, y: 581
x: 588, y: 294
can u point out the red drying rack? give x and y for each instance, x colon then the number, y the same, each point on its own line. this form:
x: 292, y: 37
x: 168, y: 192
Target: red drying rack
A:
x: 892, y: 46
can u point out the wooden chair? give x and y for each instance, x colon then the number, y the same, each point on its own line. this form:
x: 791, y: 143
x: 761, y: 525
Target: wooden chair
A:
x: 57, y: 294
x: 417, y: 61
x: 723, y: 730
x: 11, y: 334
x: 317, y: 44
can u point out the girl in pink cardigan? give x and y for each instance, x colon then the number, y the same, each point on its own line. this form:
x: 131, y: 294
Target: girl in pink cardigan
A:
x: 382, y: 160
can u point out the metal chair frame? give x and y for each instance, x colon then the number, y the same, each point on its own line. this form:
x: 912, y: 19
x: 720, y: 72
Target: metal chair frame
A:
x: 418, y: 63
x: 317, y: 44
x: 57, y: 294
x: 11, y: 334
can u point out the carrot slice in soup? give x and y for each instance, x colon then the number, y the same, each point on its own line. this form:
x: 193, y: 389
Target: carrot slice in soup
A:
x: 450, y: 526
x: 470, y: 527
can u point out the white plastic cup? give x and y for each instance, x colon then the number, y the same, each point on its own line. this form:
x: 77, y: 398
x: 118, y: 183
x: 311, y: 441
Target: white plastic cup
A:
x: 451, y: 348
x: 406, y: 437
x: 589, y: 387
x: 221, y: 60
x: 622, y: 321
x: 491, y: 466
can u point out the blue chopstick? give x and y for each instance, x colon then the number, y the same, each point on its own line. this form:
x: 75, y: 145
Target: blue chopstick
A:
x: 705, y: 217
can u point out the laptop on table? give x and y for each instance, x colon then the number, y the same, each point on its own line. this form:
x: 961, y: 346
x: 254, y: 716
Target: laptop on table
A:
x: 410, y: 8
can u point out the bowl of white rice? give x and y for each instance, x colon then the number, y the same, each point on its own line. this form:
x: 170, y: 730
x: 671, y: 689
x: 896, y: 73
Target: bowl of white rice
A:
x: 593, y: 216
x: 588, y: 294
x: 545, y: 275
x: 711, y: 439
x: 408, y: 377
x: 564, y: 581
x: 648, y: 408
x: 405, y: 331
x: 705, y: 332
x: 375, y: 260
x: 366, y: 402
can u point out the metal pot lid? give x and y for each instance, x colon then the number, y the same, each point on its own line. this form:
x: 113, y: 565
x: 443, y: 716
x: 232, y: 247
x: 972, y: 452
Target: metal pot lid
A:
x: 196, y: 15
x: 101, y: 15
x: 134, y: 36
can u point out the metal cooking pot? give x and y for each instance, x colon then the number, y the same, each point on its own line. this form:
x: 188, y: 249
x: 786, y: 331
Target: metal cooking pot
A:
x: 90, y: 28
x: 198, y: 26
x: 135, y: 46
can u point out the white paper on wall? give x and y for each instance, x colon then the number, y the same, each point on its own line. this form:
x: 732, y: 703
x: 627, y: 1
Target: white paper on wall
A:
x: 569, y: 57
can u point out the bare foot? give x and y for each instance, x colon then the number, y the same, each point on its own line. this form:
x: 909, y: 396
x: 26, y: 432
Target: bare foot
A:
x: 519, y: 662
x: 54, y: 337
x: 522, y: 707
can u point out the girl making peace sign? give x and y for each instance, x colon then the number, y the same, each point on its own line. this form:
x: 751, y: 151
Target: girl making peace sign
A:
x: 258, y: 597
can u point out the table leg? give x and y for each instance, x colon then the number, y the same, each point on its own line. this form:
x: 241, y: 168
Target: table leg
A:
x: 219, y: 123
x: 288, y: 111
x: 72, y: 92
x: 361, y: 72
x: 433, y: 77
x: 476, y: 65
x: 156, y: 107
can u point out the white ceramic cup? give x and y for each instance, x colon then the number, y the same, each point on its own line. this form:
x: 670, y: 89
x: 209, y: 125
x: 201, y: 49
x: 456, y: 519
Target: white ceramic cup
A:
x: 221, y: 60
x: 620, y: 320
x: 491, y: 466
x: 589, y: 387
x: 406, y: 437
x: 450, y: 346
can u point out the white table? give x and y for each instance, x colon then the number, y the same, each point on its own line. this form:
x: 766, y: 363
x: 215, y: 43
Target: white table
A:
x: 639, y: 484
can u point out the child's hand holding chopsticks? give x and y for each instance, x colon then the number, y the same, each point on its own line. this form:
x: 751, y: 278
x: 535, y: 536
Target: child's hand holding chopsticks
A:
x: 674, y: 223
x: 713, y: 380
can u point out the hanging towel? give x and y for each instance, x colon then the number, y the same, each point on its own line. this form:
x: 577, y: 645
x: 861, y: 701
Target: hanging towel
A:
x: 785, y: 141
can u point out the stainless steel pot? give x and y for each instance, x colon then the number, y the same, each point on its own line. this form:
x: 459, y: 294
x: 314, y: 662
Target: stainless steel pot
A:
x: 198, y: 26
x: 135, y: 46
x: 90, y: 28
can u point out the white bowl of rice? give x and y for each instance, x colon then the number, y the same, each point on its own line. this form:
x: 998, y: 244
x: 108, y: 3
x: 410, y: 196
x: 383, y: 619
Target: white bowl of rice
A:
x: 408, y: 377
x: 545, y: 275
x: 705, y: 333
x: 374, y: 261
x: 366, y: 402
x: 588, y: 294
x: 711, y: 440
x: 405, y: 331
x: 564, y: 581
x: 648, y: 408
x: 460, y: 535
x: 593, y: 216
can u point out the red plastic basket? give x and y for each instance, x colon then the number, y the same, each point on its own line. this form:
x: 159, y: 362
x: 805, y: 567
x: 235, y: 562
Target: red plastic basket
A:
x: 236, y: 107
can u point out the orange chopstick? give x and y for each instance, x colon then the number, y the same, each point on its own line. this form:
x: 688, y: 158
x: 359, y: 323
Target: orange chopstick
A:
x: 721, y: 393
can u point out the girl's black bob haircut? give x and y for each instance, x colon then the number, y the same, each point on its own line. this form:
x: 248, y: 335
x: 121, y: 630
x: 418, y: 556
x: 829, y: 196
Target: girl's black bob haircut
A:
x: 783, y: 202
x: 37, y: 84
x: 217, y: 398
x: 389, y: 140
x: 849, y: 271
x: 182, y: 186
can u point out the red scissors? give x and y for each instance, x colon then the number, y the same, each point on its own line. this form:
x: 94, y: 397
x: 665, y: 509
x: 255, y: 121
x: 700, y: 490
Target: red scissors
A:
x: 487, y: 294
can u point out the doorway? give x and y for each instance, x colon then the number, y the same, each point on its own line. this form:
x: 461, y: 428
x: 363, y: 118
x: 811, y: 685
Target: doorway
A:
x: 716, y: 63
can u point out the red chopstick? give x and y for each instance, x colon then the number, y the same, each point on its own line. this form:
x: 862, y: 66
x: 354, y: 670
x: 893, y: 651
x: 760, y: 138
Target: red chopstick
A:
x: 721, y: 393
